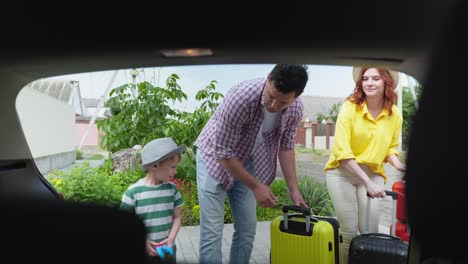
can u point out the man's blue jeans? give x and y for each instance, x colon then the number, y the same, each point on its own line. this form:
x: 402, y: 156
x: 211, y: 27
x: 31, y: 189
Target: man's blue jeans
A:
x: 211, y: 196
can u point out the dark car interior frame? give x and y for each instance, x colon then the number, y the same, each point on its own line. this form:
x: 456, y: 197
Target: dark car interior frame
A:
x: 424, y: 39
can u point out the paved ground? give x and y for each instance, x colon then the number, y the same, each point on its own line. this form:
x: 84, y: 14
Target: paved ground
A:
x: 188, y: 240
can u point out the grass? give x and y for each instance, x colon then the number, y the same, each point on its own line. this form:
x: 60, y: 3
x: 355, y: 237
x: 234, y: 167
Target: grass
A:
x: 96, y: 157
x: 319, y: 152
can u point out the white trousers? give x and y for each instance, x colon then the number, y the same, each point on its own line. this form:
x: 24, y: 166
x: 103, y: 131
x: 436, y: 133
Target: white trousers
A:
x: 348, y: 194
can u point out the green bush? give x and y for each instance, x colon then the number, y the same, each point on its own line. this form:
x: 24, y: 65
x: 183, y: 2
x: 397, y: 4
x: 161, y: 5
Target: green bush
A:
x: 317, y: 152
x: 228, y: 218
x: 316, y: 195
x: 187, y: 168
x: 409, y: 110
x: 86, y: 185
x: 79, y: 154
x: 280, y: 190
x: 96, y: 157
x: 123, y: 179
x: 99, y: 185
x: 188, y: 217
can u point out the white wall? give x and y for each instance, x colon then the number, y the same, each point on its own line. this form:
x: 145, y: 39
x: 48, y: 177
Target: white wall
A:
x: 48, y: 124
x: 321, y: 142
x: 308, y: 138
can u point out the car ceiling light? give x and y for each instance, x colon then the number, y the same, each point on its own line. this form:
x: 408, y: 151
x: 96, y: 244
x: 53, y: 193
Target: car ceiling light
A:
x: 186, y: 52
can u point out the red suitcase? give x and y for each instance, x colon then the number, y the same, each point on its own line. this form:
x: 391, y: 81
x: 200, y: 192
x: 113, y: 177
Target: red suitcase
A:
x: 402, y: 230
x: 399, y: 188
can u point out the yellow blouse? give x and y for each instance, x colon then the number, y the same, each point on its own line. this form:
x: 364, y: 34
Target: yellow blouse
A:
x: 368, y: 141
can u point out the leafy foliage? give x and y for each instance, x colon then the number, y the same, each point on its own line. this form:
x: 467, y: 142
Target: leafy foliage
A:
x: 123, y: 179
x: 79, y: 154
x: 86, y: 185
x: 96, y: 157
x: 332, y: 113
x: 280, y: 190
x: 187, y: 170
x: 317, y: 152
x: 188, y: 126
x: 100, y: 185
x: 316, y: 195
x: 142, y: 112
x: 409, y: 109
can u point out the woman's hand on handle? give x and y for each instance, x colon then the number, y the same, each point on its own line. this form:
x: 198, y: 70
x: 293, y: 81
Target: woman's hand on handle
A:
x: 374, y: 190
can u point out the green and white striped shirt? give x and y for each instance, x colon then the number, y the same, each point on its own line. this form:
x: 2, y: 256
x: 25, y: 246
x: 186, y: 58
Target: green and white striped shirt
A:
x: 154, y: 205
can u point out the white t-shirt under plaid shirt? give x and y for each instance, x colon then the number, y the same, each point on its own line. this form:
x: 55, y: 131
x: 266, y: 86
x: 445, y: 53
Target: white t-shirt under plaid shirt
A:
x: 233, y: 128
x: 154, y: 205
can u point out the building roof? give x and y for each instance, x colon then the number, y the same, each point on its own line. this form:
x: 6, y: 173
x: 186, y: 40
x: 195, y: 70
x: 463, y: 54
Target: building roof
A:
x: 91, y: 102
x: 318, y: 104
x: 63, y: 90
x: 59, y: 89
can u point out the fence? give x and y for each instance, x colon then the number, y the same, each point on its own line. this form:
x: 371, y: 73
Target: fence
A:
x: 313, y: 135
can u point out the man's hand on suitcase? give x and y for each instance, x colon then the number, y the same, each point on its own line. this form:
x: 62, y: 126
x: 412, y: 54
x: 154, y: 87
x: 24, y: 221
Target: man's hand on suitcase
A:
x: 297, y: 199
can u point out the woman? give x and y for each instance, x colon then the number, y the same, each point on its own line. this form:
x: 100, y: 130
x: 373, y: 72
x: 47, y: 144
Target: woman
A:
x: 366, y: 135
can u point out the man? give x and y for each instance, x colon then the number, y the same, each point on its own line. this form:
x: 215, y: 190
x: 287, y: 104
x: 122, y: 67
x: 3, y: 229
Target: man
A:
x: 237, y: 154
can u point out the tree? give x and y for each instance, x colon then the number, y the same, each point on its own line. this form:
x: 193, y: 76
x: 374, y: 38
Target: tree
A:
x: 332, y: 113
x: 409, y: 110
x: 142, y: 112
x: 189, y: 125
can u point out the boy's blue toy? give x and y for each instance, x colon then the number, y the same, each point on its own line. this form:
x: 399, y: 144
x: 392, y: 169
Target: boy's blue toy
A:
x: 164, y: 248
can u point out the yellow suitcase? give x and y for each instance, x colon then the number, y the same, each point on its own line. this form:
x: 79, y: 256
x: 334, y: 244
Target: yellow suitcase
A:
x: 303, y: 238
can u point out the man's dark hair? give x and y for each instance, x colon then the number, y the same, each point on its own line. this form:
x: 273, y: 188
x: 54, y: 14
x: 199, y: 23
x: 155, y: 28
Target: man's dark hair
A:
x: 289, y: 78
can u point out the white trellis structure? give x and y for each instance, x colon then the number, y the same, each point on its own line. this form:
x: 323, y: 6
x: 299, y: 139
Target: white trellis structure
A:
x: 98, y: 108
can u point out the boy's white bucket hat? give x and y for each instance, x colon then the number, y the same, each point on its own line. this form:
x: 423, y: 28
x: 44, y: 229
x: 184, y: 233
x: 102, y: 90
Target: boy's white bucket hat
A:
x: 158, y: 150
x: 394, y: 74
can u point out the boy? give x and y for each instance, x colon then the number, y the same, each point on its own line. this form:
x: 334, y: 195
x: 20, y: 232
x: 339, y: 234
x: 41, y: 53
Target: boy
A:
x: 155, y: 200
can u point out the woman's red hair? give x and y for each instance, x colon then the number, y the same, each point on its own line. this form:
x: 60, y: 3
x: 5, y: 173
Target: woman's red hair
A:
x: 390, y: 97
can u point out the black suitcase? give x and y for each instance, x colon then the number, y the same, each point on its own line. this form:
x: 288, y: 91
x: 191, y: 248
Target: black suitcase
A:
x: 376, y: 247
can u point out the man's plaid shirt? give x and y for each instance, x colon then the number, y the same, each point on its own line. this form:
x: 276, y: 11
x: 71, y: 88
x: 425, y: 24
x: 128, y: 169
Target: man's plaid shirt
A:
x: 233, y: 128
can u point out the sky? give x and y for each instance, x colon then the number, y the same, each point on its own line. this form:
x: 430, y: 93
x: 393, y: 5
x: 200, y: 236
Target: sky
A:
x: 326, y: 81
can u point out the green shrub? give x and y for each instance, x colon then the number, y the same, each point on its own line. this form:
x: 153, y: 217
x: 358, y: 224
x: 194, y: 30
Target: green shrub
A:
x: 188, y: 217
x: 186, y: 181
x: 280, y: 190
x: 96, y: 157
x: 99, y: 185
x: 318, y: 152
x: 228, y: 218
x: 123, y: 179
x: 107, y: 166
x: 79, y: 154
x: 86, y: 185
x: 196, y: 213
x: 316, y: 195
x: 187, y: 168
